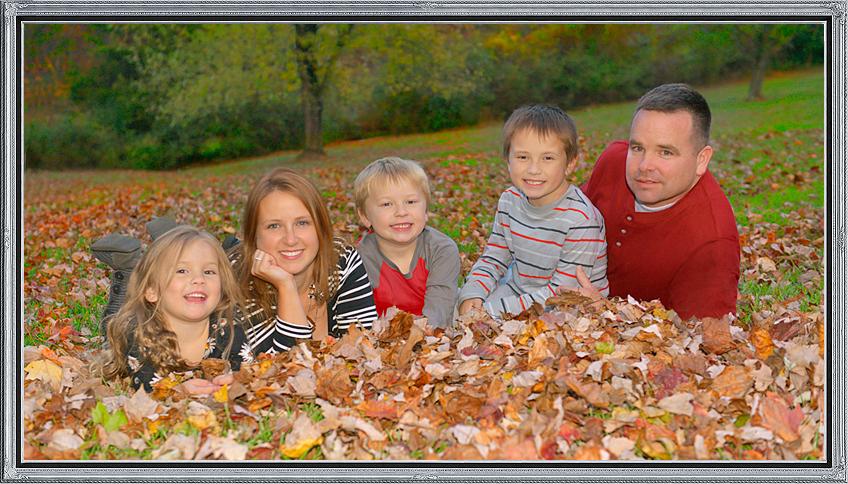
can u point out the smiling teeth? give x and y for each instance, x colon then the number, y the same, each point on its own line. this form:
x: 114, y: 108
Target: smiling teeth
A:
x: 196, y: 295
x: 534, y: 182
x: 402, y: 226
x: 290, y: 253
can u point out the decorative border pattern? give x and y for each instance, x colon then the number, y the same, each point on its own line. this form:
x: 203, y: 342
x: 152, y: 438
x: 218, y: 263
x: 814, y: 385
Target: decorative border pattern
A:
x: 486, y: 471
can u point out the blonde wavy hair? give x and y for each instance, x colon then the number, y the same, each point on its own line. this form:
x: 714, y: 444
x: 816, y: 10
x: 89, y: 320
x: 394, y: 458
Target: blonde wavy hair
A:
x: 142, y: 323
x: 322, y: 277
x: 390, y: 169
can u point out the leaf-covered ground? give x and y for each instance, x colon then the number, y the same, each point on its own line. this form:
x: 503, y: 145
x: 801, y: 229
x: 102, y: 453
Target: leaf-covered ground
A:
x: 622, y: 380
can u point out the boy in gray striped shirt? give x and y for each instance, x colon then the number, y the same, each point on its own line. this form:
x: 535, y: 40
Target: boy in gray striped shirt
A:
x: 545, y: 227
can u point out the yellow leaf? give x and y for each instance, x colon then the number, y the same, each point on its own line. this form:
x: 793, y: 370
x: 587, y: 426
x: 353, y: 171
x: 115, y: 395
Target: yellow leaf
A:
x: 46, y: 371
x: 221, y: 395
x: 264, y: 365
x: 202, y: 419
x: 298, y: 449
x: 531, y: 331
x: 163, y: 387
x: 762, y: 343
x: 660, y: 313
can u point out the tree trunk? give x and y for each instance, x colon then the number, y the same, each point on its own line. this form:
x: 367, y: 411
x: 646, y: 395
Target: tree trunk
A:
x: 310, y: 89
x: 762, y: 55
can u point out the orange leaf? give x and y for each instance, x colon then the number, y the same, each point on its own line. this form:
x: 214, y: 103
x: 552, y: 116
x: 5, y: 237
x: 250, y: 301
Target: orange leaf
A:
x: 50, y: 354
x: 377, y: 409
x: 734, y: 382
x: 761, y: 339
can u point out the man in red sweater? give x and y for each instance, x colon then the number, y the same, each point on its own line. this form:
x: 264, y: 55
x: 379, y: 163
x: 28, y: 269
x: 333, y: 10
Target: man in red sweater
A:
x: 671, y: 233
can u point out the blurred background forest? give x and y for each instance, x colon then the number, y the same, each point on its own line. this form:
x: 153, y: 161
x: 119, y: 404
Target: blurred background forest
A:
x: 162, y: 96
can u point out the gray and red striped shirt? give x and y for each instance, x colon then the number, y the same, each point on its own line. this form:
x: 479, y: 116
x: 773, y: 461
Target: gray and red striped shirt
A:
x: 544, y: 246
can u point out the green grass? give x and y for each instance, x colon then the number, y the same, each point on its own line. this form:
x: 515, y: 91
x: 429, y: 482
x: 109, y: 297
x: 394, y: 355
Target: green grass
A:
x: 765, y: 294
x: 774, y: 205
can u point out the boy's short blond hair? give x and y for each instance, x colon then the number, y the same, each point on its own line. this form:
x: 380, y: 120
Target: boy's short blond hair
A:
x: 545, y: 120
x: 392, y: 170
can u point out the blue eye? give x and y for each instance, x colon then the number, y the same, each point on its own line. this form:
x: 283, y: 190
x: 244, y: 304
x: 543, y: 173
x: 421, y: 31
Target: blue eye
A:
x: 302, y: 223
x: 272, y: 226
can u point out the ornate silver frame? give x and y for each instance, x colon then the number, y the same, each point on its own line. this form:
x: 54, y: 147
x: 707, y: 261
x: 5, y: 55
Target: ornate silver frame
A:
x: 15, y: 14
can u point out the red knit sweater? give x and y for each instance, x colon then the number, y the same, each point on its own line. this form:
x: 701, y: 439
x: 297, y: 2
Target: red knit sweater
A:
x: 687, y: 256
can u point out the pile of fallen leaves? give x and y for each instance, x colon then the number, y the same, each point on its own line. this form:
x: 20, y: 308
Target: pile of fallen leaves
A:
x: 618, y: 380
x: 607, y: 380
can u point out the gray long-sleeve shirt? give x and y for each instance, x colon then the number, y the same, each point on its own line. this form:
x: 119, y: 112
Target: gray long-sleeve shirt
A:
x: 545, y: 245
x: 430, y: 285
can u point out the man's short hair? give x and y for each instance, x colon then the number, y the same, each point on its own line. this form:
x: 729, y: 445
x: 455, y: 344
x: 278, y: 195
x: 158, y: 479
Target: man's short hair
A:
x: 389, y: 170
x: 668, y: 98
x: 545, y: 120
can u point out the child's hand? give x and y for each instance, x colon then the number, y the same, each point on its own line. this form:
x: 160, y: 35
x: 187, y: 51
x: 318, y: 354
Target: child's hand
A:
x: 586, y: 288
x: 266, y: 268
x: 470, y: 304
x: 199, y: 386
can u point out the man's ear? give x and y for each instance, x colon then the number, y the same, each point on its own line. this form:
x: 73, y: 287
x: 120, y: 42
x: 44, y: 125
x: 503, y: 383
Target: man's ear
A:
x: 151, y: 295
x: 704, y: 157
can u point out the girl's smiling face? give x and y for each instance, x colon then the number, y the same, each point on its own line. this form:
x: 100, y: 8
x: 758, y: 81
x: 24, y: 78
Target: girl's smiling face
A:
x: 194, y: 289
x: 286, y: 230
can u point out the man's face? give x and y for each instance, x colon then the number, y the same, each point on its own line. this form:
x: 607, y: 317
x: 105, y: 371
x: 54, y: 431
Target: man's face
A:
x: 664, y: 160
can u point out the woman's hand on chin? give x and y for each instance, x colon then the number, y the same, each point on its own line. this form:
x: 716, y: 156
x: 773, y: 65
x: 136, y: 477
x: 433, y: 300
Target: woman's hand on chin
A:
x: 266, y: 268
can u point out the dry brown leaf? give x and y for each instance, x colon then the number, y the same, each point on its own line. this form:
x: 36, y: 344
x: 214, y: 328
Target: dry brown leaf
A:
x: 140, y: 406
x: 416, y: 334
x: 591, y: 391
x: 733, y: 382
x: 778, y: 417
x: 717, y: 337
x: 379, y: 409
x: 334, y: 384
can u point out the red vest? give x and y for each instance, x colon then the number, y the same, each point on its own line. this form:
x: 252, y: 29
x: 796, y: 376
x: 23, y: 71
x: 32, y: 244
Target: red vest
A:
x: 396, y: 290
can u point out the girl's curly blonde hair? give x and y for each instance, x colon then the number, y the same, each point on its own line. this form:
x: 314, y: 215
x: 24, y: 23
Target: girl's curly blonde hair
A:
x: 142, y: 323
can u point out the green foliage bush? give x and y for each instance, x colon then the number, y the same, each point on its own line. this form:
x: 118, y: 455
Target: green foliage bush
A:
x: 73, y: 140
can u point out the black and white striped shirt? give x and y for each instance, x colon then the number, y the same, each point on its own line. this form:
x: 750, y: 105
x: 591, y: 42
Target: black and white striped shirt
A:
x: 352, y: 303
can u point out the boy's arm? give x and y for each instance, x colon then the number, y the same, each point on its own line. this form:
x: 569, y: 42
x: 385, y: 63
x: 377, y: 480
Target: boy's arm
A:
x: 584, y: 247
x: 490, y: 267
x: 443, y: 274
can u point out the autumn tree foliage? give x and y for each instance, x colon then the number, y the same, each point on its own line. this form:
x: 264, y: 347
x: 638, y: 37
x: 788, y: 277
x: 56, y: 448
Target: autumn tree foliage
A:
x: 166, y: 95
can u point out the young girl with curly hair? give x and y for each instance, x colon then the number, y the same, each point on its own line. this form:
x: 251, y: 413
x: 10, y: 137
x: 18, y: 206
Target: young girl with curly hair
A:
x: 179, y: 309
